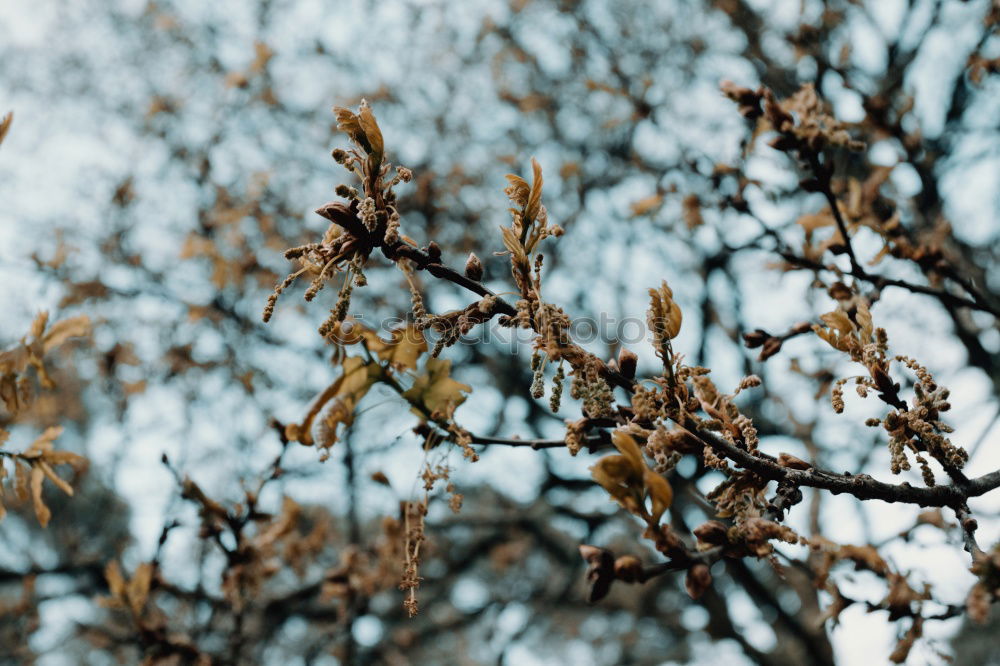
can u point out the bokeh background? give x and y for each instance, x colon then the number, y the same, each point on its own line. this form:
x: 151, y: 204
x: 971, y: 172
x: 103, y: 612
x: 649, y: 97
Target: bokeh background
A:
x: 163, y: 154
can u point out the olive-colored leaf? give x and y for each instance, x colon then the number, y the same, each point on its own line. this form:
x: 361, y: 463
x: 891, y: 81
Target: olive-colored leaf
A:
x: 350, y: 124
x: 629, y: 448
x: 372, y: 132
x: 405, y: 348
x: 659, y: 491
x: 435, y: 389
x: 664, y: 315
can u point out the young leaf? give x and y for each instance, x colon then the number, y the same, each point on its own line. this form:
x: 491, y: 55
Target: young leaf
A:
x: 436, y: 390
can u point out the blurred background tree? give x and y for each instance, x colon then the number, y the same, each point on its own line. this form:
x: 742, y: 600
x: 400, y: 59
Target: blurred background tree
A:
x: 163, y: 155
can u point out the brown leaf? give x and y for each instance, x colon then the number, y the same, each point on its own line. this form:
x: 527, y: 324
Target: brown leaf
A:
x: 535, y: 195
x: 42, y: 512
x: 366, y: 119
x: 352, y: 385
x: 350, y: 124
x: 659, y: 491
x: 436, y: 390
x: 405, y: 348
x: 513, y: 244
x: 616, y: 475
x: 14, y: 361
x: 5, y: 125
x: 813, y: 221
x: 517, y: 190
x: 646, y: 205
x: 38, y: 325
x: 74, y: 327
x: 664, y: 315
x: 43, y: 442
x: 116, y: 583
x: 51, y: 476
x: 138, y: 587
x: 21, y: 480
x: 3, y: 475
x: 629, y: 448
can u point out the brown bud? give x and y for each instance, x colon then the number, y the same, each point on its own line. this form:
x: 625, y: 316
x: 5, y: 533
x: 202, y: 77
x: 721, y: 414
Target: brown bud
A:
x: 698, y: 580
x: 755, y: 338
x: 839, y: 291
x: 712, y: 532
x: 627, y: 362
x: 882, y: 380
x: 771, y: 347
x: 600, y: 571
x: 800, y: 328
x: 779, y: 117
x: 747, y: 99
x: 473, y: 268
x: 791, y: 462
x: 783, y: 143
x: 628, y: 568
x: 810, y: 185
x: 434, y: 251
x: 591, y: 554
x: 340, y: 214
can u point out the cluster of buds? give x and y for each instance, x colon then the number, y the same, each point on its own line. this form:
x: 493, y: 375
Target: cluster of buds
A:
x: 589, y: 386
